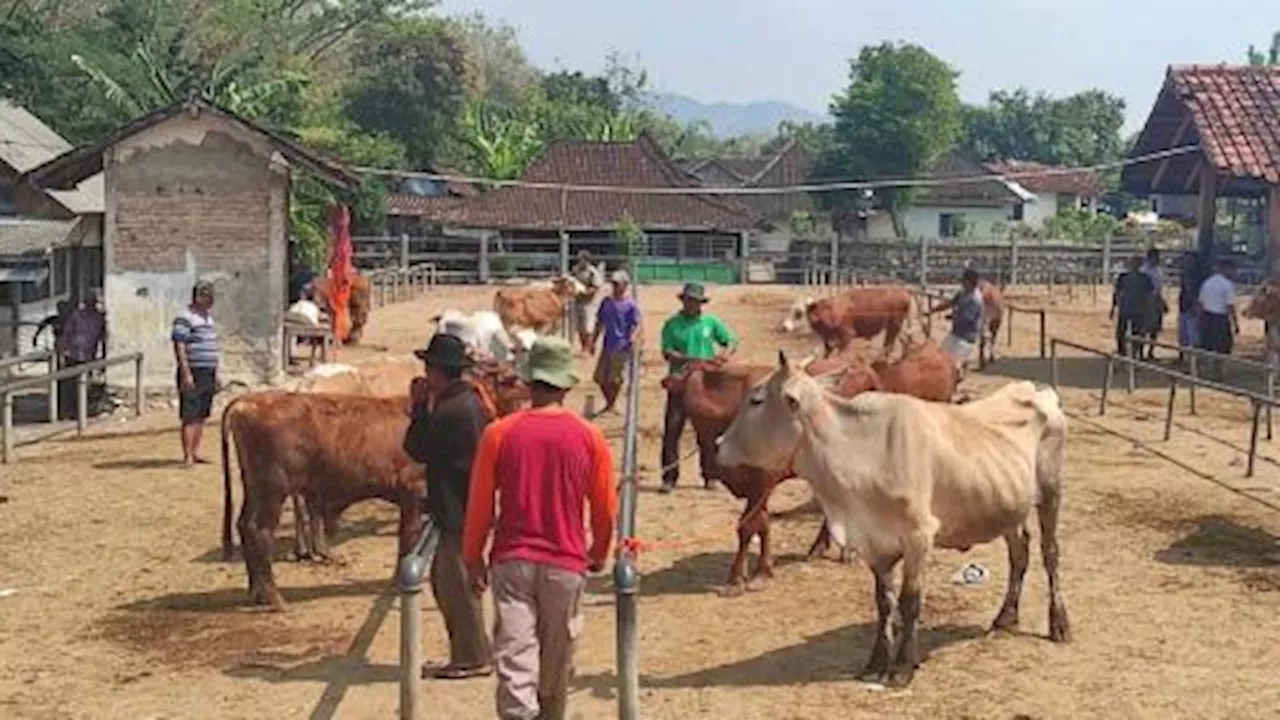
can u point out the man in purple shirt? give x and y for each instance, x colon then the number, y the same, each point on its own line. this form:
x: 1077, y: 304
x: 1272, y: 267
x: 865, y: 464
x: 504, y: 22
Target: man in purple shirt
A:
x: 618, y: 319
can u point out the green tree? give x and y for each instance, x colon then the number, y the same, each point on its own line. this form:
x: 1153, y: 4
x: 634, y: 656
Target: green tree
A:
x: 498, y: 142
x: 900, y: 112
x: 1081, y: 129
x: 409, y: 82
x: 1271, y: 57
x: 500, y: 73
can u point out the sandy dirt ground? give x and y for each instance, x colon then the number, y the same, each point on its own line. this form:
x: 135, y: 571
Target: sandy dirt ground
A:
x: 122, y: 609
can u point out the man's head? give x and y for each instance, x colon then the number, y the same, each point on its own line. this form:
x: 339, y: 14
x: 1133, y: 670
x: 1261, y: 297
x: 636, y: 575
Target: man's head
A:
x: 548, y: 371
x: 1135, y: 263
x: 969, y: 279
x: 692, y: 297
x: 62, y: 307
x: 1189, y: 259
x: 202, y: 296
x: 620, y: 281
x: 445, y: 359
x: 584, y: 256
x: 1153, y: 257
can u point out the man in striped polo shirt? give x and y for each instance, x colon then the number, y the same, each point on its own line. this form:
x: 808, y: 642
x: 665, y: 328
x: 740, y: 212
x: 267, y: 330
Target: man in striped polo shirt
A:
x: 195, y: 349
x: 545, y: 465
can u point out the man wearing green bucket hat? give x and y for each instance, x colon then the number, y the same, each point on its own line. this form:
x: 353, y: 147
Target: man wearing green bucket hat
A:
x: 690, y: 334
x: 540, y: 468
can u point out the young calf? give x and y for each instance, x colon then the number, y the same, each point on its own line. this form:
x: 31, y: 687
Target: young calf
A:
x: 897, y: 476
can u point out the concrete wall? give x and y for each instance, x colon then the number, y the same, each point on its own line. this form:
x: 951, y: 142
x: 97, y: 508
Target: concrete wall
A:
x: 923, y: 221
x: 1036, y: 214
x: 188, y: 199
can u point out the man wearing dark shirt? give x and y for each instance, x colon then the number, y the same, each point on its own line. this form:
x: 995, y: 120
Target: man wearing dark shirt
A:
x: 966, y: 320
x: 443, y: 435
x: 1193, y: 277
x: 1131, y: 304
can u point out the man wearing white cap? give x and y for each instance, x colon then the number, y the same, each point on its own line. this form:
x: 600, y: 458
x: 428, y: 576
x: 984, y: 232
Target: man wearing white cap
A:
x: 618, y: 320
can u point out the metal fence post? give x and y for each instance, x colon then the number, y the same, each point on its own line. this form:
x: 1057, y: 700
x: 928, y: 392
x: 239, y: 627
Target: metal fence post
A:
x: 1042, y: 335
x: 1195, y: 374
x: 1253, y: 438
x: 924, y: 263
x: 1271, y: 395
x: 626, y: 576
x: 53, y: 389
x: 1168, y: 418
x: 6, y: 424
x: 1009, y: 328
x: 1053, y: 364
x: 1013, y: 261
x: 404, y: 250
x: 1106, y: 384
x: 82, y: 402
x: 410, y: 577
x: 137, y: 386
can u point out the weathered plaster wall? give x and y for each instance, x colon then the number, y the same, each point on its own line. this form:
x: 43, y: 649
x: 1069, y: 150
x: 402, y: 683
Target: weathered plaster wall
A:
x: 196, y: 199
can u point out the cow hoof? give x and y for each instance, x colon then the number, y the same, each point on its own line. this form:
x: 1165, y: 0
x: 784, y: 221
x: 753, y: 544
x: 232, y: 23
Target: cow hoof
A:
x: 1004, y: 623
x: 1059, y: 627
x: 760, y: 582
x: 732, y: 590
x: 900, y: 677
x: 270, y: 598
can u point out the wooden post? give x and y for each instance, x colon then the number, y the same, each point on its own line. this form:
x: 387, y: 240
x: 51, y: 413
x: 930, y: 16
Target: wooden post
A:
x: 1206, y: 209
x: 137, y: 386
x: 6, y: 426
x: 1273, y: 232
x: 1013, y: 261
x: 1105, y: 273
x: 564, y: 251
x: 924, y: 263
x: 483, y: 269
x: 404, y: 251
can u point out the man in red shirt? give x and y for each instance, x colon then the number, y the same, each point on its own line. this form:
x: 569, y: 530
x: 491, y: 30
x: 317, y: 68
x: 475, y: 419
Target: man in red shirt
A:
x: 545, y: 463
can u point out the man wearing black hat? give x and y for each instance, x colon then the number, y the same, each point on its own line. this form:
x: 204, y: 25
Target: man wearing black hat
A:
x: 688, y: 335
x: 443, y: 435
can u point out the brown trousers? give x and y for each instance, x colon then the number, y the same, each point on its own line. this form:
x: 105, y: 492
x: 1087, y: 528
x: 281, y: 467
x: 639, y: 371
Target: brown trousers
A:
x: 469, y: 645
x: 539, y: 611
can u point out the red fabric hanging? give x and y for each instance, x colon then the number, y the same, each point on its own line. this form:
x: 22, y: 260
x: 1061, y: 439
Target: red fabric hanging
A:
x: 341, y: 271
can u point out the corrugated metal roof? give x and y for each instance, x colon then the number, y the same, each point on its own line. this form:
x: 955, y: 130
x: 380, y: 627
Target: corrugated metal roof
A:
x: 19, y: 236
x: 25, y: 142
x: 88, y: 197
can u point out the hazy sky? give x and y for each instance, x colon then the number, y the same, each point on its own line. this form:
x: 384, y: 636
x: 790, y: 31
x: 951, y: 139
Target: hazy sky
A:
x: 797, y: 50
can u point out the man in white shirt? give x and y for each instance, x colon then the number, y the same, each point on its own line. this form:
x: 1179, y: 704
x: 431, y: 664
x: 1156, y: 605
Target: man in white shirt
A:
x: 1217, y: 313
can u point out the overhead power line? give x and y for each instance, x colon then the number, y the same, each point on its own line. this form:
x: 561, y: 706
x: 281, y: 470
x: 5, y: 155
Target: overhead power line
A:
x: 834, y: 186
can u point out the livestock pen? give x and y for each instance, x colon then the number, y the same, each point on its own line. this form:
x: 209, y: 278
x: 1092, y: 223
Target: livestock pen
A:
x: 1172, y: 574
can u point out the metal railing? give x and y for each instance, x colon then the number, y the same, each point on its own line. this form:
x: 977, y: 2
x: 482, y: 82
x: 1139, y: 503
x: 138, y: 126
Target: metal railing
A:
x: 626, y: 573
x: 391, y: 285
x: 1194, y: 354
x: 411, y: 577
x: 1257, y: 400
x: 50, y: 381
x: 38, y: 356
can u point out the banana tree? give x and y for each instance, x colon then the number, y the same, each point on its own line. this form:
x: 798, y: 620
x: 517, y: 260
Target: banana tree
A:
x: 501, y: 143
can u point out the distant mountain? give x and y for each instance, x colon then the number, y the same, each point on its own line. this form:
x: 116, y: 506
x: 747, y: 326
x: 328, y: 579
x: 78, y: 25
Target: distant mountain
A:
x: 730, y: 119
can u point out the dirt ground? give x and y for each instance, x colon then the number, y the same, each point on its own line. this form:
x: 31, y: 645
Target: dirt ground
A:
x: 122, y: 608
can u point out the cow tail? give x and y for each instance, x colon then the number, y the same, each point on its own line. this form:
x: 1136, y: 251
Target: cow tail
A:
x: 228, y: 546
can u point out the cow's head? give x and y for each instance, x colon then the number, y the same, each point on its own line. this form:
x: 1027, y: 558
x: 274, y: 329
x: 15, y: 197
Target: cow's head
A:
x: 567, y: 286
x: 770, y: 426
x: 1266, y: 304
x: 796, y: 315
x: 501, y: 380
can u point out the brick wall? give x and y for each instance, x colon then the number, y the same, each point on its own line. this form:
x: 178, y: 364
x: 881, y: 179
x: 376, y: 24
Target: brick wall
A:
x: 226, y: 231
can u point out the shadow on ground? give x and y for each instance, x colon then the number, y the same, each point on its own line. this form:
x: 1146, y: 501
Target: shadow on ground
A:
x: 832, y: 656
x: 1218, y: 541
x: 703, y: 573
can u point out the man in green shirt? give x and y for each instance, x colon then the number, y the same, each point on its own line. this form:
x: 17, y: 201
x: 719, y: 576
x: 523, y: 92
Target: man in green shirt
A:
x: 688, y: 335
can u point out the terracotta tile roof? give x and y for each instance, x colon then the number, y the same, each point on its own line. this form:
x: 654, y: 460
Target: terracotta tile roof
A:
x: 1080, y: 184
x: 1236, y: 110
x: 422, y: 205
x: 631, y: 164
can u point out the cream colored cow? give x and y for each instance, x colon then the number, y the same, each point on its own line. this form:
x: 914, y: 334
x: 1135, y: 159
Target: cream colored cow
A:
x: 897, y: 476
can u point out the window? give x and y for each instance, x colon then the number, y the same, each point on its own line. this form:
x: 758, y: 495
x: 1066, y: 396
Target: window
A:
x: 1019, y: 212
x: 6, y: 200
x: 951, y: 225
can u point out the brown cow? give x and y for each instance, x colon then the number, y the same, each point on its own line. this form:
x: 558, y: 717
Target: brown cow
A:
x: 540, y: 309
x: 360, y: 304
x: 1265, y: 306
x: 331, y: 451
x: 992, y: 316
x: 860, y: 313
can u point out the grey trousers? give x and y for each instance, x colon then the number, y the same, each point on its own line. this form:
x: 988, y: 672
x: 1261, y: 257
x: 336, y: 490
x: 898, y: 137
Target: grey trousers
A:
x: 539, y: 611
x: 469, y: 645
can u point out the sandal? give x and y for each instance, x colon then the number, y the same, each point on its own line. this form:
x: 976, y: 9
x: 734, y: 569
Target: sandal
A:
x: 432, y: 671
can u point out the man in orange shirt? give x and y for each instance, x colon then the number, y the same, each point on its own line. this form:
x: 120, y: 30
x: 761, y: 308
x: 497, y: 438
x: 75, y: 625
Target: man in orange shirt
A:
x: 545, y: 463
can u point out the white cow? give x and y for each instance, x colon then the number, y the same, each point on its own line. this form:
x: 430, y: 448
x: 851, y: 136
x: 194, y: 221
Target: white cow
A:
x: 897, y: 476
x: 482, y: 331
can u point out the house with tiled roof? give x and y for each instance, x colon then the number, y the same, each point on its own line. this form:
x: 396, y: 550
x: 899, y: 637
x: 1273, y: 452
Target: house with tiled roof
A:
x: 50, y: 240
x: 542, y: 218
x: 1214, y: 132
x: 787, y: 166
x: 194, y: 192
